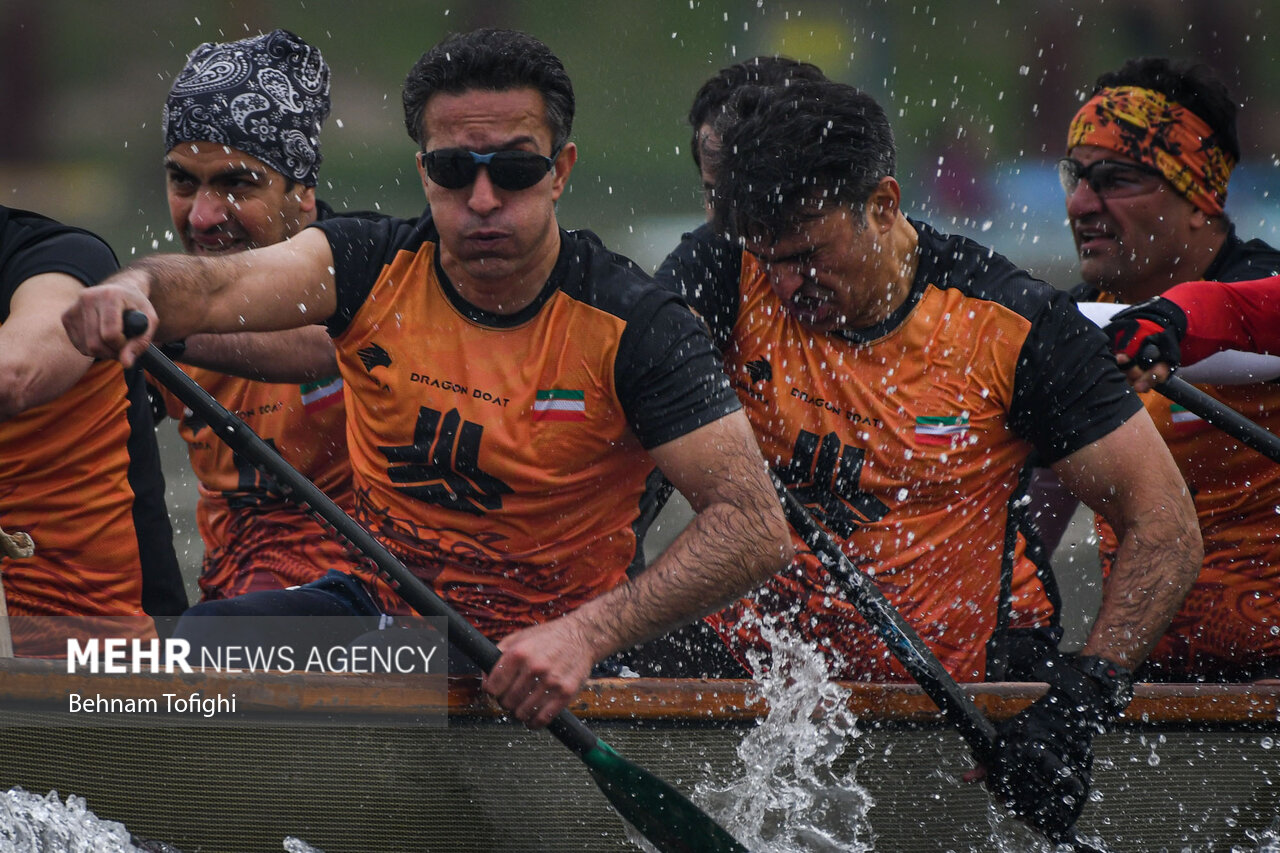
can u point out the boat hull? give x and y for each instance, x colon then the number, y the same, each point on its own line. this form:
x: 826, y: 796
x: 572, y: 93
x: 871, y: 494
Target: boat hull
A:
x: 1191, y: 767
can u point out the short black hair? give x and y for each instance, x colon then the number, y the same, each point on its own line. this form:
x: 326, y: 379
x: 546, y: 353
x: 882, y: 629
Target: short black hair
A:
x: 1194, y: 85
x: 790, y: 154
x: 757, y: 71
x: 493, y: 60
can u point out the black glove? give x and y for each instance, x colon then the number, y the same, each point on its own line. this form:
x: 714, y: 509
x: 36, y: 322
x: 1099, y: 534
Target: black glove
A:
x: 1148, y: 332
x: 1044, y: 755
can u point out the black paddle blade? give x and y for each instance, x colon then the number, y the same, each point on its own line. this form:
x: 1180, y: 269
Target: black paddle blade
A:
x: 662, y: 814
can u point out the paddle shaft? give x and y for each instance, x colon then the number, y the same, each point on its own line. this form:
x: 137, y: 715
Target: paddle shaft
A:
x: 567, y: 728
x: 1222, y: 416
x: 901, y: 638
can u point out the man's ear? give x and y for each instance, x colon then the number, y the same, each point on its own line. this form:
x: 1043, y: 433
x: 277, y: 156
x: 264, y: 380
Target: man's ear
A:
x: 563, y: 166
x: 307, y: 199
x: 1200, y: 219
x: 883, y: 204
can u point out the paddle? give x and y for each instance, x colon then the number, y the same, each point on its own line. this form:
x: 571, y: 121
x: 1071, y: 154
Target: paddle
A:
x: 1222, y: 416
x: 668, y: 819
x: 903, y: 641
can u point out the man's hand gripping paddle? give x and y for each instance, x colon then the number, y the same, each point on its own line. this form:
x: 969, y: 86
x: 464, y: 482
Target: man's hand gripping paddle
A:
x: 904, y: 643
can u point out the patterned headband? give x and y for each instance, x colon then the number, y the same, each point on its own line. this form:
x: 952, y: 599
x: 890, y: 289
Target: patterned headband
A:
x: 1145, y: 126
x: 266, y: 96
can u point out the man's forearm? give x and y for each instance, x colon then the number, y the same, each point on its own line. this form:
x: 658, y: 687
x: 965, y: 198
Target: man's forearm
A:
x: 1220, y: 316
x: 180, y: 288
x: 725, y: 552
x: 292, y: 355
x: 1155, y: 566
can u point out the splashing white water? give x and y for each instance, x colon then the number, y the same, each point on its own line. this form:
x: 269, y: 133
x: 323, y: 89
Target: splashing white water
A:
x: 790, y: 796
x: 30, y: 823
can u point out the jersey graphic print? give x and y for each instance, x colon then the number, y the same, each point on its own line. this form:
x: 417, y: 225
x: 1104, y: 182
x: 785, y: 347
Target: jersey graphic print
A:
x: 824, y: 476
x: 374, y: 356
x: 555, y: 404
x: 444, y: 463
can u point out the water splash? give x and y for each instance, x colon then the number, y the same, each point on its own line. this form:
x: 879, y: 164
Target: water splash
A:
x: 30, y: 823
x: 791, y: 793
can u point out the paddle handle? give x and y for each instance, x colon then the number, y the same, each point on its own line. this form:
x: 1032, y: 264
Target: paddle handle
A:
x: 901, y: 638
x: 567, y: 728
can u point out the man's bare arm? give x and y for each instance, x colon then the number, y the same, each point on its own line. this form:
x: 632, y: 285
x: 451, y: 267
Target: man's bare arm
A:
x: 737, y: 539
x: 282, y: 286
x: 1129, y: 478
x: 291, y: 355
x: 37, y: 361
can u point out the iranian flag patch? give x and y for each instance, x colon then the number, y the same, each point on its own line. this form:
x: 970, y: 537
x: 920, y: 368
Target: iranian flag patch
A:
x: 1183, y: 420
x: 320, y: 395
x: 557, y: 404
x: 941, y: 432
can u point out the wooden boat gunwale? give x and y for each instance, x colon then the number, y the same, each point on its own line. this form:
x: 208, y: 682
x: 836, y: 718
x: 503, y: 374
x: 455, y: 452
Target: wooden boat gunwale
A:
x: 31, y: 683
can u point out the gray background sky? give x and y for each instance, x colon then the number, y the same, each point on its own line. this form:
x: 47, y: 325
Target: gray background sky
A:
x: 980, y: 94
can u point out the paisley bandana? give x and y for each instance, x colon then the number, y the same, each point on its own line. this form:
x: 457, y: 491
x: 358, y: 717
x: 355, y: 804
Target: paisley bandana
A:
x: 265, y: 96
x: 1145, y: 126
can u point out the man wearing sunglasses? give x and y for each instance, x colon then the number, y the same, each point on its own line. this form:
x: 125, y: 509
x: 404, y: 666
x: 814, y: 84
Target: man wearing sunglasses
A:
x: 1149, y: 157
x: 512, y: 387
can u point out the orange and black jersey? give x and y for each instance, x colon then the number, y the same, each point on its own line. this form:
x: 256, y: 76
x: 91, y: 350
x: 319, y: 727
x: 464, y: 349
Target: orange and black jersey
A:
x: 81, y: 475
x: 504, y: 457
x: 910, y: 442
x: 1224, y: 628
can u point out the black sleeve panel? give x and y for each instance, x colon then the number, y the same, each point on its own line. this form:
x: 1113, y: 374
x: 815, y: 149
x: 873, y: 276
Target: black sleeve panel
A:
x: 164, y: 594
x: 1241, y: 261
x: 705, y: 270
x: 670, y: 379
x: 1068, y: 391
x: 361, y: 248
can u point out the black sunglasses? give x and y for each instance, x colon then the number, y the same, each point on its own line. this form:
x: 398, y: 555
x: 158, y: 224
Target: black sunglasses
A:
x: 1109, y: 178
x: 455, y: 168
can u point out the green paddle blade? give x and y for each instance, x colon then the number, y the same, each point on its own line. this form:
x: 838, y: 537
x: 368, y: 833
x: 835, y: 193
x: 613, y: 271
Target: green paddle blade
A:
x: 662, y: 814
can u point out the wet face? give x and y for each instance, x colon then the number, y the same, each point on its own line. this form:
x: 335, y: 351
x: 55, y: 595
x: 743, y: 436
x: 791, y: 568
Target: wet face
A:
x: 830, y: 272
x: 1136, y: 244
x: 489, y: 234
x: 223, y: 201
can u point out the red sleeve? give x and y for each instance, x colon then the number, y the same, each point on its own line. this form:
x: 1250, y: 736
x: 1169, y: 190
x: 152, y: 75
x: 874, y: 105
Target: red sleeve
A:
x: 1239, y: 315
